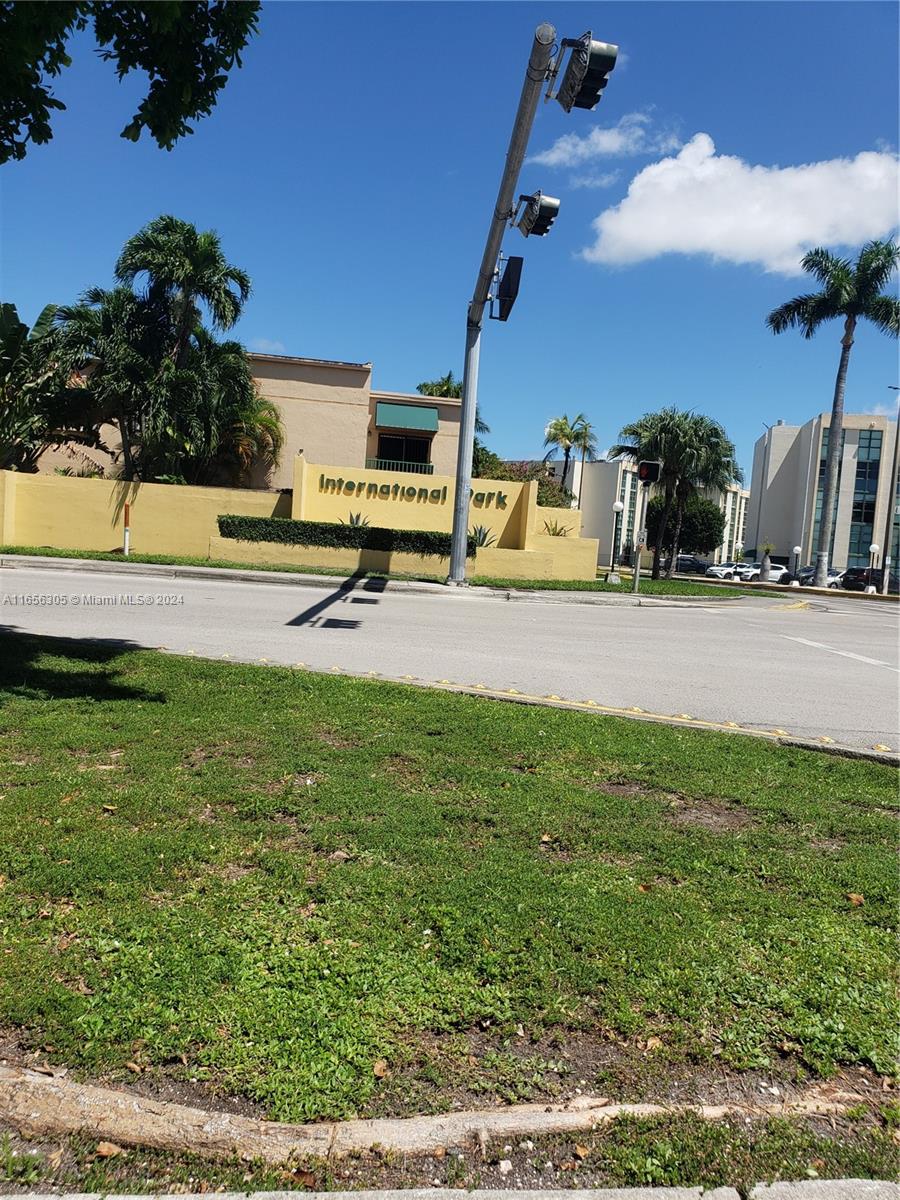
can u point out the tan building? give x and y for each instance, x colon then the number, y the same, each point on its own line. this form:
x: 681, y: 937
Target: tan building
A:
x: 788, y: 483
x: 331, y: 414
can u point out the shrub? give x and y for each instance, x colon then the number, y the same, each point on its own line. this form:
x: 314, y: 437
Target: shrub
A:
x: 551, y: 493
x: 324, y: 533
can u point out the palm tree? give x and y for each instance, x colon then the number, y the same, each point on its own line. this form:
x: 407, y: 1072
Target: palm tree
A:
x: 448, y: 385
x: 27, y: 378
x: 710, y: 464
x: 562, y: 433
x: 665, y: 436
x: 184, y: 268
x: 585, y: 440
x: 221, y: 426
x: 851, y: 292
x: 115, y: 343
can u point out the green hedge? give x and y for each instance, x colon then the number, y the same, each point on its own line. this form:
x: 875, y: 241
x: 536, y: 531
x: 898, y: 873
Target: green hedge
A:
x: 323, y: 533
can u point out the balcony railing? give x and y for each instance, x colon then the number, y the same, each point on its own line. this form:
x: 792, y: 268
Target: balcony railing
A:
x: 390, y: 464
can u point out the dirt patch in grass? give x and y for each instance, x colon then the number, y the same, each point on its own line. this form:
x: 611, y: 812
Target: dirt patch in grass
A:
x: 336, y: 738
x: 713, y: 815
x: 481, y: 1069
x: 232, y: 871
x: 297, y: 782
x: 403, y: 770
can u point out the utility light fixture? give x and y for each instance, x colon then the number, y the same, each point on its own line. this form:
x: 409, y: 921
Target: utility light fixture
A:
x: 538, y: 215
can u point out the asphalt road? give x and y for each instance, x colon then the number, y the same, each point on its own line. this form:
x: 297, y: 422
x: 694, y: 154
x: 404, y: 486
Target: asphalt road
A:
x: 818, y: 668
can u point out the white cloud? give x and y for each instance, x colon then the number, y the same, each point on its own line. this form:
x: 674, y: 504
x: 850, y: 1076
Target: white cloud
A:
x: 700, y: 202
x: 881, y: 410
x: 632, y: 135
x: 267, y: 346
x: 603, y: 180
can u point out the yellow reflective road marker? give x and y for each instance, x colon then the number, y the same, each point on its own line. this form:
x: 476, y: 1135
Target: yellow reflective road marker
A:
x: 828, y: 741
x: 885, y: 749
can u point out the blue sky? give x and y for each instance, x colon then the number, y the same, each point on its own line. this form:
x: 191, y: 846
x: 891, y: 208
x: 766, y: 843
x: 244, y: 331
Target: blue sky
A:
x: 352, y: 165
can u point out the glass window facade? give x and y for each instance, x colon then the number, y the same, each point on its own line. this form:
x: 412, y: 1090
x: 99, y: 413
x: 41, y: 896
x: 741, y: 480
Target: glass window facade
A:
x: 862, y: 519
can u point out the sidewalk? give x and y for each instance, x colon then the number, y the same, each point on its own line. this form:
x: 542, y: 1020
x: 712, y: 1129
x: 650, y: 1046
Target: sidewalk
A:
x: 332, y: 582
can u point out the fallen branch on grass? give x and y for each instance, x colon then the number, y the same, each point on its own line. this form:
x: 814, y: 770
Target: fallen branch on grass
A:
x: 37, y: 1104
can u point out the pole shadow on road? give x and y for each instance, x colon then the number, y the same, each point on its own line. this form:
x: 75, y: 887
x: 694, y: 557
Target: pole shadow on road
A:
x: 341, y: 595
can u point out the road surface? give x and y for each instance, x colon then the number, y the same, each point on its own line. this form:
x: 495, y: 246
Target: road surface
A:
x: 816, y: 668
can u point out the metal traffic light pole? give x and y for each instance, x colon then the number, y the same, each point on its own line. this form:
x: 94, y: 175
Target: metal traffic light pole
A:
x: 541, y: 51
x: 639, y: 540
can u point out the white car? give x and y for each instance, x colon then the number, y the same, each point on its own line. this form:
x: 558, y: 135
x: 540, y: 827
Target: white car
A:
x: 723, y: 570
x: 749, y: 572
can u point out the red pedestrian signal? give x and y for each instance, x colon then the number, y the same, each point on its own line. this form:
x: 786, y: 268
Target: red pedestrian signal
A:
x: 648, y: 472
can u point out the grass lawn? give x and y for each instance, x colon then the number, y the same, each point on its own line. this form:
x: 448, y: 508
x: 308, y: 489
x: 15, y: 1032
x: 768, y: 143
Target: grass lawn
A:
x: 649, y: 587
x: 335, y: 897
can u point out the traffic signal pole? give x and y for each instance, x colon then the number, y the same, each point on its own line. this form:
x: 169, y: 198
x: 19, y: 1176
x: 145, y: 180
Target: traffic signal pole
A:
x: 639, y: 541
x: 535, y: 76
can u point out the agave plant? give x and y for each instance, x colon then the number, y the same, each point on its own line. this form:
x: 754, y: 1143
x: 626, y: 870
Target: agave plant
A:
x: 555, y: 529
x: 357, y: 519
x: 482, y: 535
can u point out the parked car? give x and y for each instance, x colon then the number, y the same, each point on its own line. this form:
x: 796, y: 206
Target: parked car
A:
x: 749, y: 572
x: 689, y: 564
x: 806, y: 575
x: 723, y: 570
x: 857, y: 579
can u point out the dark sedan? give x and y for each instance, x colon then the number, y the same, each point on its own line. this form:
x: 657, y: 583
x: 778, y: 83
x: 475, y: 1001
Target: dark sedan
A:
x: 857, y: 579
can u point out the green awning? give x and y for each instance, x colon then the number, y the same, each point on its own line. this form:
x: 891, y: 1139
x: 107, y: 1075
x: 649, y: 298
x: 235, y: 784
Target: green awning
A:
x: 406, y: 416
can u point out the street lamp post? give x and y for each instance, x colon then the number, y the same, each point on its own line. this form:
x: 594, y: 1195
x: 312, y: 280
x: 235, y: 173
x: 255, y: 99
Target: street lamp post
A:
x: 798, y: 550
x: 873, y: 559
x: 586, y: 75
x: 618, y: 509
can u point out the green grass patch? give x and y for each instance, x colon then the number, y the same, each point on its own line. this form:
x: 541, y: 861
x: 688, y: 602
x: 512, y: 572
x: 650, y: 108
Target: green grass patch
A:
x: 278, y: 878
x: 649, y: 587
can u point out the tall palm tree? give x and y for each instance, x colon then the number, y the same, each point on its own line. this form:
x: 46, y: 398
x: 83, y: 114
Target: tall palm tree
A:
x: 561, y: 433
x: 851, y: 292
x: 448, y: 385
x: 709, y: 464
x: 184, y: 268
x: 665, y: 436
x: 585, y: 440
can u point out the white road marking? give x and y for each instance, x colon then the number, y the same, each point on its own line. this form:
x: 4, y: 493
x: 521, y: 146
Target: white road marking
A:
x: 872, y: 662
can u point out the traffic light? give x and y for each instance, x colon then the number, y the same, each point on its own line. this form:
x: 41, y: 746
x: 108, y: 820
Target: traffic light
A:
x: 508, y: 287
x: 587, y: 73
x: 540, y: 213
x: 648, y: 472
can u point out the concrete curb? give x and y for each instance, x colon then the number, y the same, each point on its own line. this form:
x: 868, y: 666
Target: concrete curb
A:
x: 333, y: 582
x: 813, y: 1189
x: 828, y: 1189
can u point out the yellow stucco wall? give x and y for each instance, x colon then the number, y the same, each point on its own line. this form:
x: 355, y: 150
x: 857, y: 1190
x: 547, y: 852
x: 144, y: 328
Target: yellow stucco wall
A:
x: 88, y: 514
